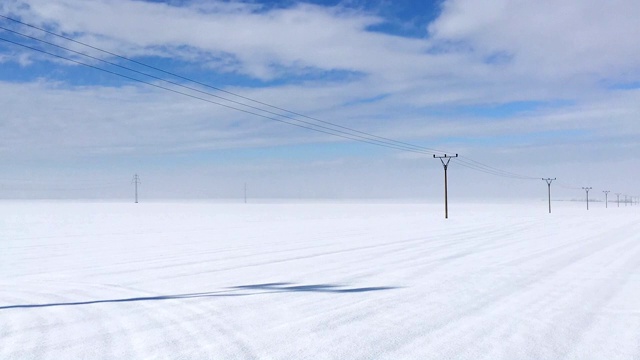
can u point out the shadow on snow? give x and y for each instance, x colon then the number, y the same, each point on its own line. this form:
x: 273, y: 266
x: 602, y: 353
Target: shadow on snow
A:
x: 268, y: 288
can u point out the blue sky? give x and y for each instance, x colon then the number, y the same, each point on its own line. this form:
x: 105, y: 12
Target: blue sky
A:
x: 536, y: 88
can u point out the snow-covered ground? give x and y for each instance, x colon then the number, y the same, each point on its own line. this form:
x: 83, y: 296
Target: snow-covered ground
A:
x: 195, y: 280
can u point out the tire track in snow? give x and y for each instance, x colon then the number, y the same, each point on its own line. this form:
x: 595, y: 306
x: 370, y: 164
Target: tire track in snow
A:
x: 341, y: 250
x: 553, y: 266
x: 587, y: 295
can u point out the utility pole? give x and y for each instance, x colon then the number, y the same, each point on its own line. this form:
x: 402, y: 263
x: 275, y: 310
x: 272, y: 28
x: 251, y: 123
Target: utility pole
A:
x: 625, y: 200
x: 549, y: 181
x: 587, y: 190
x: 445, y: 164
x: 606, y: 199
x: 618, y: 195
x: 136, y: 181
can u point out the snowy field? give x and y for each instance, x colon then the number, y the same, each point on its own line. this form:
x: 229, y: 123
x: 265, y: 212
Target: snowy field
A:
x: 89, y: 280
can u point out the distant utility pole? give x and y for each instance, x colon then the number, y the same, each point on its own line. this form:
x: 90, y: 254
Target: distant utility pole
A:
x: 136, y: 181
x: 445, y: 164
x: 606, y: 199
x: 587, y: 190
x: 618, y: 195
x: 549, y: 181
x: 625, y: 200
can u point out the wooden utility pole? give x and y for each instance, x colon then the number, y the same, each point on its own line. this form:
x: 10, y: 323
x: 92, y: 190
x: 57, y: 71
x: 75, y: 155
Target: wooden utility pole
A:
x: 549, y: 181
x: 606, y: 198
x: 136, y: 181
x: 587, y: 190
x: 445, y: 164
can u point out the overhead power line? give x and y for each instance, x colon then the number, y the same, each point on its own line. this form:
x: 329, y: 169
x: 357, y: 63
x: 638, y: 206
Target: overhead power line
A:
x: 569, y: 187
x: 40, y: 187
x: 287, y: 118
x: 336, y: 127
x: 318, y: 128
x: 191, y: 80
x: 327, y: 131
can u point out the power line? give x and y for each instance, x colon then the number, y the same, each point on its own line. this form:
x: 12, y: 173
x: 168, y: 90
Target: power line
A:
x: 328, y: 131
x: 364, y: 137
x: 474, y: 165
x: 200, y: 83
x: 493, y: 170
x: 352, y: 132
x: 469, y: 163
x: 569, y: 187
x: 39, y: 187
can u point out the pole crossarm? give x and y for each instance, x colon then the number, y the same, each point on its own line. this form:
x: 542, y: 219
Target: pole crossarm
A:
x: 445, y: 159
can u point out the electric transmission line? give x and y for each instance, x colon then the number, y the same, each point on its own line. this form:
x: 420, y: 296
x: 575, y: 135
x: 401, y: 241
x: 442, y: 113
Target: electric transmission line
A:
x: 336, y: 127
x: 289, y: 117
x: 318, y: 128
x: 191, y: 80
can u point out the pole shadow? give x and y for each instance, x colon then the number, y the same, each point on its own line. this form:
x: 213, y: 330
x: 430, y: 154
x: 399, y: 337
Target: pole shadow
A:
x: 319, y: 288
x: 241, y: 290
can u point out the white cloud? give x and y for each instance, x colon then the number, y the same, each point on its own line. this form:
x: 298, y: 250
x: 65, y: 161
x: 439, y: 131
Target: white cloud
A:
x: 550, y: 49
x: 478, y: 54
x: 547, y: 38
